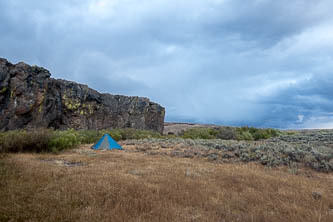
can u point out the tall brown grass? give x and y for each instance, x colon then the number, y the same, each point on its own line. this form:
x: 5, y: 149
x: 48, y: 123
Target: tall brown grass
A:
x: 25, y: 141
x: 132, y: 186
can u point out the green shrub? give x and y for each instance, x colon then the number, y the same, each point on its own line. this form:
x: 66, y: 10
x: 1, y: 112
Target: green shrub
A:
x: 116, y: 134
x: 227, y: 133
x: 289, y: 133
x: 230, y: 133
x: 90, y: 136
x: 265, y: 134
x: 200, y: 133
x: 245, y: 135
x: 63, y: 140
x: 143, y: 134
x: 252, y: 133
x: 130, y: 133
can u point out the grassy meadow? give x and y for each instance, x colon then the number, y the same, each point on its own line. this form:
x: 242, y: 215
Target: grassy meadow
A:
x: 147, y: 182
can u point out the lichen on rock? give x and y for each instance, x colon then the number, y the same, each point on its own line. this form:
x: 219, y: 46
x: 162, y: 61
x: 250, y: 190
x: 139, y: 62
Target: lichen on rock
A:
x: 29, y: 98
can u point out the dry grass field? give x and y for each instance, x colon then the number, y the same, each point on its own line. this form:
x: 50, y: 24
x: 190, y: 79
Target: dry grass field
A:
x: 129, y: 185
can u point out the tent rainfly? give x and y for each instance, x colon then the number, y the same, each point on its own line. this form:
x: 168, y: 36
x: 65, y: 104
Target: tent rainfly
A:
x: 106, y: 142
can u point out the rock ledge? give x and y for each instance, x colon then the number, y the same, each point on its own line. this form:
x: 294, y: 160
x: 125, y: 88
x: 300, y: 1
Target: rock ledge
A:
x: 29, y: 98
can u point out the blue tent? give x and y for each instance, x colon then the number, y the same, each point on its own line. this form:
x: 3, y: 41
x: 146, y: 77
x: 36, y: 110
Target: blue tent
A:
x: 106, y: 142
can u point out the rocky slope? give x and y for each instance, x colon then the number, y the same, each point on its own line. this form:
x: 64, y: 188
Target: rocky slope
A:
x: 29, y: 98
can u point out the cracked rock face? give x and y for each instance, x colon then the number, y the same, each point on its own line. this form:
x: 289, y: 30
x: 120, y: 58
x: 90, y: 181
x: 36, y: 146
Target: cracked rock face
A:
x: 29, y: 98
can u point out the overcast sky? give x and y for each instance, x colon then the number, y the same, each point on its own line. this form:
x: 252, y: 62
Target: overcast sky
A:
x: 263, y: 63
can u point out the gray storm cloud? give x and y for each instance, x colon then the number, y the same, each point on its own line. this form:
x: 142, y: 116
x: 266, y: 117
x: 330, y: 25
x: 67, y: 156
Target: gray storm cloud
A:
x: 263, y: 63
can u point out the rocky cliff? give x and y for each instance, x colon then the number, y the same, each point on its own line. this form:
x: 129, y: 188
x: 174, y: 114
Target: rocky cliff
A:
x: 29, y: 98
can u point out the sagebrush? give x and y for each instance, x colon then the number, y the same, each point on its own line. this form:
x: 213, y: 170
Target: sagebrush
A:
x: 230, y: 133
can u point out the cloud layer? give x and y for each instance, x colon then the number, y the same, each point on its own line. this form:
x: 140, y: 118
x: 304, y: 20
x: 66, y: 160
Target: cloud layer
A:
x: 263, y: 63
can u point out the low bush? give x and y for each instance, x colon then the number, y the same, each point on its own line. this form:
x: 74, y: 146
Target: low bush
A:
x: 252, y: 133
x: 244, y: 135
x: 47, y: 140
x: 21, y: 140
x: 89, y: 136
x: 63, y: 140
x: 227, y: 133
x: 129, y: 133
x: 230, y: 133
x: 200, y: 133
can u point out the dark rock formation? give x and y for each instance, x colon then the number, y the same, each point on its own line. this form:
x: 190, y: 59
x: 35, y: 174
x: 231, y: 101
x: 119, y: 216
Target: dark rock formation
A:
x: 29, y: 98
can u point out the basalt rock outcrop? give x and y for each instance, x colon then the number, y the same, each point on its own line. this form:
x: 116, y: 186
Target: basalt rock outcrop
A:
x: 29, y: 98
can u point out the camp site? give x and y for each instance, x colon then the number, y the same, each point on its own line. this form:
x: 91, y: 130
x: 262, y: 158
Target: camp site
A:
x: 166, y: 111
x: 143, y: 176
